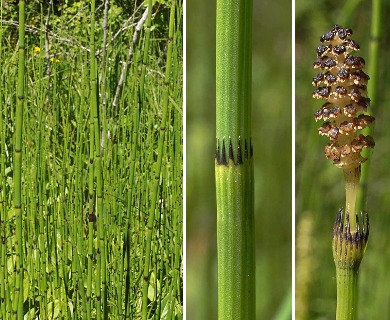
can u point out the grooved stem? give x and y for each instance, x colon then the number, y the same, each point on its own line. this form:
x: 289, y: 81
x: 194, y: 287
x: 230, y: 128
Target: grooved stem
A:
x: 352, y: 178
x: 19, y: 269
x: 348, y: 250
x: 165, y: 120
x: 234, y: 165
x: 372, y: 87
x: 347, y: 293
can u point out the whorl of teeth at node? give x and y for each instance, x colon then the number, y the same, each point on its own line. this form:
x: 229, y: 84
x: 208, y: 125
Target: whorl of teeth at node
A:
x: 343, y: 83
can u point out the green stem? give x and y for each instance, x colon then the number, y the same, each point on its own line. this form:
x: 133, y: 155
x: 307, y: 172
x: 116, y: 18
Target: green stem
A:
x: 372, y: 88
x: 235, y: 233
x: 157, y: 172
x: 347, y: 293
x: 348, y: 250
x: 131, y: 191
x: 3, y: 208
x: 234, y: 63
x: 234, y: 166
x: 146, y: 47
x: 352, y: 178
x: 101, y: 304
x: 18, y: 298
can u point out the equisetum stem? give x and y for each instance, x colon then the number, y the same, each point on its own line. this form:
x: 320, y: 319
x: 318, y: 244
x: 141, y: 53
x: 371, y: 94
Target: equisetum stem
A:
x: 19, y: 269
x: 372, y: 87
x: 352, y: 178
x: 348, y: 250
x: 165, y: 121
x: 233, y: 165
x: 347, y: 293
x: 343, y: 83
x: 157, y: 173
x: 96, y: 113
x: 235, y: 232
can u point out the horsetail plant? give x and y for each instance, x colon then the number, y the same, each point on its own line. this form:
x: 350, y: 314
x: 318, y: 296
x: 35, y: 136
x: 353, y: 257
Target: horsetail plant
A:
x: 84, y: 214
x: 342, y: 83
x: 165, y: 119
x: 96, y: 169
x: 17, y: 310
x: 233, y: 161
x: 2, y: 189
x: 146, y: 271
x: 149, y: 227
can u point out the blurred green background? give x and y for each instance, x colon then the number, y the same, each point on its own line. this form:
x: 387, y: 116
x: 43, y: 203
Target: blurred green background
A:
x: 272, y: 140
x: 319, y: 184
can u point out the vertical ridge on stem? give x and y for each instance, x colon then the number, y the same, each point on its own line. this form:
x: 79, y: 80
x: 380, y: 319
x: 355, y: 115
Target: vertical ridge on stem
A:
x: 233, y: 172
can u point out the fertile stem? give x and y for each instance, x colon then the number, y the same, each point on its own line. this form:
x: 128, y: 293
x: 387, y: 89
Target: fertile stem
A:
x: 351, y: 178
x: 343, y: 84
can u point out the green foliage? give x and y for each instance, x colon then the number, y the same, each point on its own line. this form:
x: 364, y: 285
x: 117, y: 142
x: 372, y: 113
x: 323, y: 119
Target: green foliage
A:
x: 57, y: 223
x: 69, y: 19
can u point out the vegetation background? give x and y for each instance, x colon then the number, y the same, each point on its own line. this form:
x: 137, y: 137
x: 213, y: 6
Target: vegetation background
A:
x: 85, y: 242
x: 271, y: 132
x: 319, y: 184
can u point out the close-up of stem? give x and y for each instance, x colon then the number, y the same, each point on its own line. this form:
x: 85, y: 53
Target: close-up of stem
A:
x: 239, y: 60
x: 233, y: 161
x: 343, y: 84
